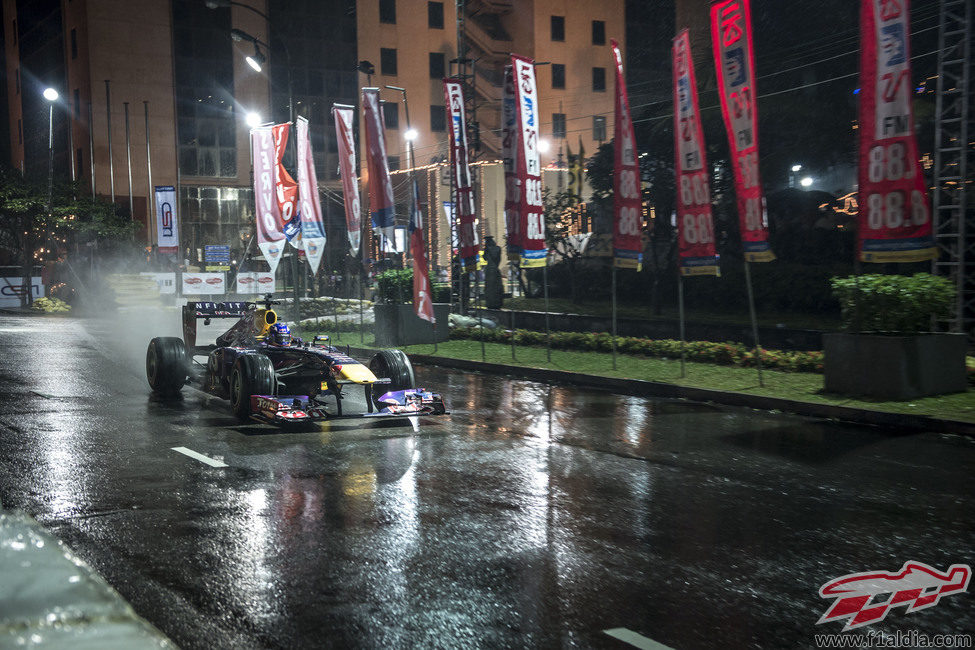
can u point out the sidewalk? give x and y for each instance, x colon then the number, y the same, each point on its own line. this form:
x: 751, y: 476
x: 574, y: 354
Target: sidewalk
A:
x: 49, y: 597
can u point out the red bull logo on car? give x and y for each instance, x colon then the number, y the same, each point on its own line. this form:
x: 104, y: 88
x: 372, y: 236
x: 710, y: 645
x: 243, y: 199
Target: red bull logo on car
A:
x: 867, y: 598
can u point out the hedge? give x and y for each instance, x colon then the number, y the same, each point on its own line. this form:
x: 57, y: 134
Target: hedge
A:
x: 727, y: 354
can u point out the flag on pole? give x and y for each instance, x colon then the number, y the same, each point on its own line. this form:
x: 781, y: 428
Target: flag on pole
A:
x: 695, y: 223
x: 381, y: 203
x: 286, y: 188
x: 312, y: 232
x: 167, y: 229
x: 509, y: 154
x: 734, y: 62
x: 422, y: 294
x: 347, y: 170
x: 894, y: 220
x: 627, y: 207
x: 527, y: 188
x: 267, y: 211
x: 466, y: 224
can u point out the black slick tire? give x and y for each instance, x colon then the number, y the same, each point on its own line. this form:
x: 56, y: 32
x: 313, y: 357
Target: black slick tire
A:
x: 252, y: 374
x: 395, y: 365
x: 166, y: 366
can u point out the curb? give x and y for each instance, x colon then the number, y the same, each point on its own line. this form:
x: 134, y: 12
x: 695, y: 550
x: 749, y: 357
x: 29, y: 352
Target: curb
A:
x: 642, y: 388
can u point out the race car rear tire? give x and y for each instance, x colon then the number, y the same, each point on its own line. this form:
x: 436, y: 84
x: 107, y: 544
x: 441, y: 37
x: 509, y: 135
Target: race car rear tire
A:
x: 166, y: 366
x: 252, y: 374
x: 395, y: 365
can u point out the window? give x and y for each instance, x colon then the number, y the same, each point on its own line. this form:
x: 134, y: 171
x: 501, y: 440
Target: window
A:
x: 387, y: 61
x: 558, y: 75
x: 15, y: 31
x: 387, y: 11
x: 599, y: 79
x: 17, y: 80
x: 20, y: 132
x: 77, y: 104
x: 438, y: 65
x: 74, y: 43
x: 558, y: 28
x: 435, y: 15
x: 438, y: 118
x: 598, y: 32
x: 558, y: 125
x: 393, y: 162
x: 598, y: 128
x: 391, y: 115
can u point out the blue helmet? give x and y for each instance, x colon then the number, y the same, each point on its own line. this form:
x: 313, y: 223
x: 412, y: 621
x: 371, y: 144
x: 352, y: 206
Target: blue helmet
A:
x: 280, y: 334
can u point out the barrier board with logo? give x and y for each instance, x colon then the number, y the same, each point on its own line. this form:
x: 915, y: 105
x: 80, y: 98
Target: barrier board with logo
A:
x: 203, y: 284
x: 255, y: 282
x: 11, y: 289
x: 165, y: 281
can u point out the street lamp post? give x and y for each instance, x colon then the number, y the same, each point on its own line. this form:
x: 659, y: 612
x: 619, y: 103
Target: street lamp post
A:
x: 255, y: 62
x: 410, y: 134
x: 51, y: 96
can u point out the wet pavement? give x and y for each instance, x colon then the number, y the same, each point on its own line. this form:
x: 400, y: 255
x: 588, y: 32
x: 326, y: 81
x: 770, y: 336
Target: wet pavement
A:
x: 532, y: 516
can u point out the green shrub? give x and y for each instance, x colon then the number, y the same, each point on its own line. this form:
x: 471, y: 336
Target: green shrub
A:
x: 729, y: 354
x: 893, y: 303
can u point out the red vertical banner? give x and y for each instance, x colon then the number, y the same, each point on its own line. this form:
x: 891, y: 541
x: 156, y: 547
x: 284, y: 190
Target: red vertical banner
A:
x: 734, y: 62
x: 312, y: 230
x: 422, y: 293
x: 695, y: 223
x: 509, y: 154
x: 627, y: 207
x: 380, y: 187
x: 347, y: 169
x: 285, y: 186
x: 527, y: 186
x: 267, y: 211
x: 894, y: 221
x: 466, y: 226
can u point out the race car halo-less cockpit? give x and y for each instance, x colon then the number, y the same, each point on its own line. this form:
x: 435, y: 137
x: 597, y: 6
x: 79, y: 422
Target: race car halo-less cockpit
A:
x: 270, y: 375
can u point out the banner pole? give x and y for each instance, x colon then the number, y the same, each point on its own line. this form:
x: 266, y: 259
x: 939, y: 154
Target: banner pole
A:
x: 751, y: 309
x: 548, y: 332
x: 480, y: 310
x: 614, y: 314
x: 512, y: 313
x: 680, y: 299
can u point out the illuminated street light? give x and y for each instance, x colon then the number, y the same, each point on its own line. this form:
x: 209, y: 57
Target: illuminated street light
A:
x: 50, y: 94
x: 252, y: 119
x: 796, y: 168
x: 806, y: 181
x: 411, y: 134
x: 256, y: 60
x: 544, y: 146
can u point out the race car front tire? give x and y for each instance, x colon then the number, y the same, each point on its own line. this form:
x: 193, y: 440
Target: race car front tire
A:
x: 166, y: 366
x: 252, y: 374
x: 395, y: 365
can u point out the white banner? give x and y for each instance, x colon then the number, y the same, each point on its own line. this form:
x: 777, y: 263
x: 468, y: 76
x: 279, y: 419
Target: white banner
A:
x: 165, y: 281
x: 312, y: 233
x: 11, y: 289
x: 260, y: 282
x: 270, y: 239
x: 167, y: 232
x: 203, y: 284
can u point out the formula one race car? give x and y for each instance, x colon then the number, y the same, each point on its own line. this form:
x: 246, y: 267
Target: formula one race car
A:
x: 272, y: 377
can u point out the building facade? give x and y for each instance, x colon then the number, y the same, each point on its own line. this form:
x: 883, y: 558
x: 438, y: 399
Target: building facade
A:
x: 156, y: 93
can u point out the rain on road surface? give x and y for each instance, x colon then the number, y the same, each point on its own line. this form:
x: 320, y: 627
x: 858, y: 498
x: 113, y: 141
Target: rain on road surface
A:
x: 694, y: 525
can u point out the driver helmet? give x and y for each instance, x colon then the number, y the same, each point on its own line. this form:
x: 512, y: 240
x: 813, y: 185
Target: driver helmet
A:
x: 280, y: 334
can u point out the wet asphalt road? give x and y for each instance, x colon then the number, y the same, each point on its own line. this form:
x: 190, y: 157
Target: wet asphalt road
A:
x: 533, y: 516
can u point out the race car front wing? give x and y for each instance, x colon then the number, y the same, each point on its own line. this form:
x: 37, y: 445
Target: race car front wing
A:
x: 290, y: 410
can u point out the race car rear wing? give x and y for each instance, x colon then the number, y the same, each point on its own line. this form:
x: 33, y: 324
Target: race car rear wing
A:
x: 193, y: 311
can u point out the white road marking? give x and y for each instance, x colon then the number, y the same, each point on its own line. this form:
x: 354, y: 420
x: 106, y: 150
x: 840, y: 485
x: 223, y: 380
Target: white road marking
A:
x: 635, y: 640
x: 200, y: 457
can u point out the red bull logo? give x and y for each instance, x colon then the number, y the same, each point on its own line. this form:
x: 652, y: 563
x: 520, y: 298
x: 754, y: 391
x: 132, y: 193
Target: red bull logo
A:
x: 264, y: 279
x: 867, y: 598
x: 212, y: 281
x: 245, y: 281
x: 192, y: 280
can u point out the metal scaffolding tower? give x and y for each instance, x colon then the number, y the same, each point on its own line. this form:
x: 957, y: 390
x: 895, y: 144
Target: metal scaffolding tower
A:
x: 953, y: 200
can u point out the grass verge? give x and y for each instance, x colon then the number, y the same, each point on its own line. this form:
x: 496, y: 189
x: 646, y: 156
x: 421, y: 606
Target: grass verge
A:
x: 800, y: 386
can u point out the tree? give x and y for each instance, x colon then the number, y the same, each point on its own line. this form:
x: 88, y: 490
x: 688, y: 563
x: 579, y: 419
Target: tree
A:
x: 30, y: 233
x: 560, y: 210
